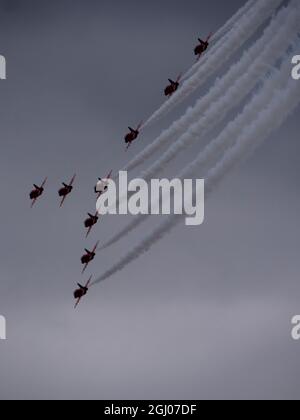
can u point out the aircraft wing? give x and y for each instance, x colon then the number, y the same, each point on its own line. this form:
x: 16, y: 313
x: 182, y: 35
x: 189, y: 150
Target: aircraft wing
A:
x: 89, y: 231
x: 84, y: 268
x: 72, y: 180
x: 62, y: 201
x: 96, y: 246
x: 44, y: 183
x: 178, y: 78
x: 77, y: 302
x: 209, y: 36
x: 89, y: 281
x: 33, y: 202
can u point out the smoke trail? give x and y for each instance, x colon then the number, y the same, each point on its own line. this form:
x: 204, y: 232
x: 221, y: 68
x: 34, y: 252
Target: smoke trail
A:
x: 201, y: 106
x: 224, y: 140
x: 284, y: 102
x: 248, y: 25
x: 251, y: 65
x: 272, y: 44
x: 233, y: 20
x: 220, y: 37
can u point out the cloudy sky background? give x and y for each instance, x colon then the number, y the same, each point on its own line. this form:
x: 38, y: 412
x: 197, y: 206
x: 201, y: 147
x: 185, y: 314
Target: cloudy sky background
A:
x: 207, y: 312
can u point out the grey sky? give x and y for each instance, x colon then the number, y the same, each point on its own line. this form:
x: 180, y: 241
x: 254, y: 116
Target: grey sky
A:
x: 206, y: 313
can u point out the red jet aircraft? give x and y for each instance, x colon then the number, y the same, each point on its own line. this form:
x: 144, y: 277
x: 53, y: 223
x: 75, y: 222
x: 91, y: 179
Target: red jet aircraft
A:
x: 132, y: 135
x: 82, y: 291
x: 91, y: 222
x: 172, y: 87
x: 202, y: 47
x: 102, y: 184
x: 37, y: 192
x: 66, y: 190
x: 88, y: 257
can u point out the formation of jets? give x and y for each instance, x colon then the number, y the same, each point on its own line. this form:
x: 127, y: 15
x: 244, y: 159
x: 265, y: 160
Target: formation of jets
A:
x: 169, y: 90
x: 89, y: 223
x: 102, y: 184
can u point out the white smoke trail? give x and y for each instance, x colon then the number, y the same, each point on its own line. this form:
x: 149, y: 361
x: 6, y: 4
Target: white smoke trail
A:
x: 272, y: 44
x: 222, y: 85
x: 247, y: 26
x: 234, y: 19
x: 224, y: 140
x: 284, y: 102
x: 220, y: 37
